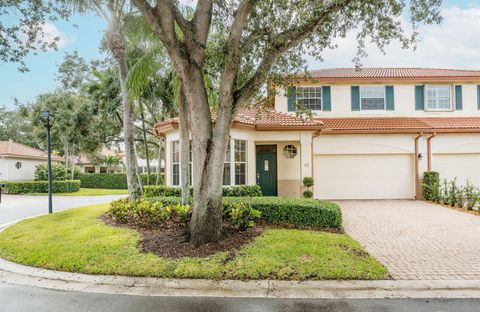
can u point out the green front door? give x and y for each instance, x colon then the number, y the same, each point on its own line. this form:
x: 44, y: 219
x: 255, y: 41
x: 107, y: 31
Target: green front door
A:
x: 267, y: 169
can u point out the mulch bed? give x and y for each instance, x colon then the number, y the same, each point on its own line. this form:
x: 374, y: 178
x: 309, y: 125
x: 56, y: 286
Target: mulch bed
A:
x: 170, y: 242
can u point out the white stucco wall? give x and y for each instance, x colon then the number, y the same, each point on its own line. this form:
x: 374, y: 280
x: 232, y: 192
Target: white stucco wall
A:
x: 404, y: 99
x: 9, y: 172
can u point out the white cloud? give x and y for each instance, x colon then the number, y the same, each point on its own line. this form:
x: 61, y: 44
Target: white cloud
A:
x: 452, y: 44
x: 50, y: 32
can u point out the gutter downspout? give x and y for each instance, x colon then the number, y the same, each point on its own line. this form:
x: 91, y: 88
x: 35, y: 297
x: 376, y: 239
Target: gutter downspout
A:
x: 417, y: 175
x: 429, y: 151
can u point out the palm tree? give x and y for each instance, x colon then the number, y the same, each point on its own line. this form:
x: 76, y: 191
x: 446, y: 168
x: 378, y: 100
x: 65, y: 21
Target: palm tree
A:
x: 114, y: 12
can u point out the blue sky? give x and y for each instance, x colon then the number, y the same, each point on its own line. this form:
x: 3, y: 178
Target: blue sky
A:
x: 453, y: 44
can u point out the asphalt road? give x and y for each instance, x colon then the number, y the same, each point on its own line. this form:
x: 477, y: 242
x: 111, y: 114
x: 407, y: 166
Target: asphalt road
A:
x: 26, y: 299
x: 14, y: 207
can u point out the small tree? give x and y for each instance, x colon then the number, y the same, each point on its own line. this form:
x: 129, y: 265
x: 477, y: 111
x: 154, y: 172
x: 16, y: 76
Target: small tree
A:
x: 308, y: 182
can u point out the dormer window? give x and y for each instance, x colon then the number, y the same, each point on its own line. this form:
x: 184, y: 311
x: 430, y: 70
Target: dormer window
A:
x: 309, y: 97
x: 439, y: 97
x: 372, y: 98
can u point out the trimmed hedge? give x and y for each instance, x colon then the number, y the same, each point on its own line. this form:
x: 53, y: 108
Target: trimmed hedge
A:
x: 67, y: 186
x: 298, y: 211
x: 116, y: 181
x: 228, y: 191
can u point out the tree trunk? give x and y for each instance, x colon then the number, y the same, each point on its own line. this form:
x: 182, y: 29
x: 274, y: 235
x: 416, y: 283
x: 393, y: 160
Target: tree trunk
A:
x: 65, y: 150
x: 145, y: 144
x: 184, y: 130
x: 72, y: 166
x: 159, y: 166
x: 208, y: 157
x: 117, y: 45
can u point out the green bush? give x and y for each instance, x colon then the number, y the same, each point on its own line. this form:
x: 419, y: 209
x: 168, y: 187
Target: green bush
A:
x: 58, y: 172
x: 297, y: 211
x: 228, y: 191
x: 67, y: 186
x: 431, y: 186
x: 242, y: 215
x: 111, y: 180
x: 308, y: 181
x: 149, y: 213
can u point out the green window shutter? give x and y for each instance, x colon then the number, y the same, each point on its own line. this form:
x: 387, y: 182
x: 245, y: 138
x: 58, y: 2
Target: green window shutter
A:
x: 419, y: 97
x: 326, y: 99
x: 458, y: 98
x: 478, y: 97
x: 389, y: 98
x: 355, y: 92
x: 292, y: 98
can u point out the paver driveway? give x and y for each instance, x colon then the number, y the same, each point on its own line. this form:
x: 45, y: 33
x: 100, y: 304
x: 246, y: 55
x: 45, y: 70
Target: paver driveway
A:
x: 416, y: 240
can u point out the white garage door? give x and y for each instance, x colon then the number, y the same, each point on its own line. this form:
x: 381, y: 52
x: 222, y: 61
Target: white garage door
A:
x: 386, y: 176
x: 461, y: 166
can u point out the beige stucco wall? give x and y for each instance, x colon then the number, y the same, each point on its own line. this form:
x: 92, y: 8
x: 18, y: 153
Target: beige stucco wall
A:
x: 404, y: 99
x: 290, y: 172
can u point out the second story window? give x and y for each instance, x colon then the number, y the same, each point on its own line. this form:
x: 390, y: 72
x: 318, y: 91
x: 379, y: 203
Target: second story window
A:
x: 439, y: 97
x: 309, y: 97
x: 372, y: 98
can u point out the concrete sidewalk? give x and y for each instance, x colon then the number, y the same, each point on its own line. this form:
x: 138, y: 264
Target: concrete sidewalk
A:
x: 11, y: 273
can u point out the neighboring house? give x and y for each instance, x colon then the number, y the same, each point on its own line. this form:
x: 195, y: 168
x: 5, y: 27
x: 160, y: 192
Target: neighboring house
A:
x: 18, y: 161
x: 375, y: 131
x: 86, y: 165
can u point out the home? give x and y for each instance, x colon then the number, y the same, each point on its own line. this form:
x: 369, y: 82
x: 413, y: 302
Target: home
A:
x: 18, y: 161
x: 373, y: 134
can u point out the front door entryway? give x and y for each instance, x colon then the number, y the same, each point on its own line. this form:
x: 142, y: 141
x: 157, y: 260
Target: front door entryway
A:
x: 267, y: 169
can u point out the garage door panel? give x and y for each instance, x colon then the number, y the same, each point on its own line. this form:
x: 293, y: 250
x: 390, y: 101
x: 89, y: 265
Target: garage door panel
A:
x: 461, y: 166
x: 375, y: 176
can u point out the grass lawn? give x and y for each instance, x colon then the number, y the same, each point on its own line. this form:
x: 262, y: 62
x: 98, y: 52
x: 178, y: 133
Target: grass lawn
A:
x: 88, y: 192
x: 77, y: 241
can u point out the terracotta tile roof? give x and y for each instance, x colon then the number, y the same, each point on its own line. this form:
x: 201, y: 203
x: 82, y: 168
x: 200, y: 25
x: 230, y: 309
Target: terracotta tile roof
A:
x: 379, y: 72
x: 259, y: 119
x: 400, y: 124
x: 14, y: 149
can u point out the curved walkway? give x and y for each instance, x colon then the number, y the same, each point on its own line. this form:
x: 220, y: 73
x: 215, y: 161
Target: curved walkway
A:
x: 416, y: 240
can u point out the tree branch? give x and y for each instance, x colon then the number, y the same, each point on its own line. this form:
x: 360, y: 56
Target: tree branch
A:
x: 279, y: 45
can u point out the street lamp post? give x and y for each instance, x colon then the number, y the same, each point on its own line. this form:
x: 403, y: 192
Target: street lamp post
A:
x: 47, y: 119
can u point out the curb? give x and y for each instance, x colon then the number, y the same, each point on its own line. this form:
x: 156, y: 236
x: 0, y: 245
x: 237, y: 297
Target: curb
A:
x: 17, y: 274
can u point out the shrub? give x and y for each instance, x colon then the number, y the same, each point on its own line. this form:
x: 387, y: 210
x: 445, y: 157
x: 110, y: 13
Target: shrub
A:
x: 453, y: 193
x: 431, y: 186
x: 297, y: 211
x: 228, y: 191
x: 111, y: 180
x: 149, y: 213
x: 308, y: 194
x: 243, y: 215
x: 58, y: 172
x: 67, y: 186
x: 472, y: 196
x: 308, y: 182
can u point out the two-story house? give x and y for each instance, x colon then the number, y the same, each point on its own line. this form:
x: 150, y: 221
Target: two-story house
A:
x: 375, y: 131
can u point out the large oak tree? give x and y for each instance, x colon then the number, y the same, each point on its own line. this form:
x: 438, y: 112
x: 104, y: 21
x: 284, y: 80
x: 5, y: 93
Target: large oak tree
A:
x: 246, y: 41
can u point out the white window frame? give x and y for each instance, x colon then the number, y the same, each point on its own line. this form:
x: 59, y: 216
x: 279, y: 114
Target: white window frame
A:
x: 317, y: 96
x: 233, y: 162
x: 384, y: 98
x: 190, y: 162
x: 451, y: 97
x: 174, y: 163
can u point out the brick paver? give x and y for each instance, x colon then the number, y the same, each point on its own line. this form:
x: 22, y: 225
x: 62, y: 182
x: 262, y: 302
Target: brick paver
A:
x: 416, y: 240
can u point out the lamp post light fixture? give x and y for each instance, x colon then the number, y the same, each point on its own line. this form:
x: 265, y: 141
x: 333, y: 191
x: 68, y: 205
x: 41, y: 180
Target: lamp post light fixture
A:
x: 48, y: 119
